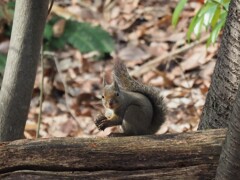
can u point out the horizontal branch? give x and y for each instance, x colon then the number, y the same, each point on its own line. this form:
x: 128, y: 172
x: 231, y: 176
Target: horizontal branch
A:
x: 183, y: 155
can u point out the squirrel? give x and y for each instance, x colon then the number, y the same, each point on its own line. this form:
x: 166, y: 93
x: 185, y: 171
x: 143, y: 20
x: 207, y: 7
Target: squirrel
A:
x: 138, y: 108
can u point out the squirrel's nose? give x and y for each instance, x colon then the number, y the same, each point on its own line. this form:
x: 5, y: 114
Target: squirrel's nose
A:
x: 111, y: 102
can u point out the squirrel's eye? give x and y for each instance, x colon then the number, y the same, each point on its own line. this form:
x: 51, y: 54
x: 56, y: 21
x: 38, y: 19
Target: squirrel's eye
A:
x: 117, y: 94
x: 103, y: 96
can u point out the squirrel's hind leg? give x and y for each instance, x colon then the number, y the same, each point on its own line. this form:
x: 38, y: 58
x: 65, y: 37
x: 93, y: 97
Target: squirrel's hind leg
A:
x: 136, y: 121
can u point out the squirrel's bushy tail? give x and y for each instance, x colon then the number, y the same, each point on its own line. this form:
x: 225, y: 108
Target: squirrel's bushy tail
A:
x: 123, y: 78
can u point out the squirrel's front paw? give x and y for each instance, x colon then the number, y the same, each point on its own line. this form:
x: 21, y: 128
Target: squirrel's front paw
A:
x: 101, y: 122
x: 103, y: 125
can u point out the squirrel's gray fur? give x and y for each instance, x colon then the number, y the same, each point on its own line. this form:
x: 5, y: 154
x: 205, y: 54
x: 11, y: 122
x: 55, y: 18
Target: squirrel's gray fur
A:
x: 125, y: 81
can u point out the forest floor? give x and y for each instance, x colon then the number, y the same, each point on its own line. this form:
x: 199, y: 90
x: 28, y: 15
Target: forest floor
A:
x: 155, y: 52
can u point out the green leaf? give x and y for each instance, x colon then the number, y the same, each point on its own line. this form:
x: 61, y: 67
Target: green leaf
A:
x: 206, y: 8
x: 11, y: 4
x: 3, y: 59
x: 207, y: 11
x: 87, y: 38
x: 82, y: 36
x: 223, y: 16
x: 177, y: 11
x: 195, y: 26
x: 191, y: 27
x: 197, y: 20
x: 216, y: 17
x: 208, y: 16
x: 222, y: 3
x: 48, y: 32
x: 226, y: 4
x: 57, y: 43
x: 215, y: 32
x: 198, y: 26
x: 212, y: 14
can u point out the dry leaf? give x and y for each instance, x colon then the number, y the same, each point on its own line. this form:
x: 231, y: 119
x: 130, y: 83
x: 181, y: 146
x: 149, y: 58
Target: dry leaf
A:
x: 59, y: 27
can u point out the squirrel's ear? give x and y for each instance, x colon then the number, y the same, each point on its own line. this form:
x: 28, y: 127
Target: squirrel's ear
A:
x: 116, y: 86
x: 104, y: 81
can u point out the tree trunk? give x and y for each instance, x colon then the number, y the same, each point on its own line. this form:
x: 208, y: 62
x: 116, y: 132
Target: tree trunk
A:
x: 171, y: 156
x: 225, y: 79
x: 20, y: 72
x: 229, y: 163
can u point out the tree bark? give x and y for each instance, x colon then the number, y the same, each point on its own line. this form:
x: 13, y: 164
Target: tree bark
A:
x: 229, y: 163
x: 20, y: 71
x: 172, y: 156
x: 225, y: 79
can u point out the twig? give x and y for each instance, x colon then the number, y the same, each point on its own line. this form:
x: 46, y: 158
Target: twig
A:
x: 50, y: 7
x: 85, y: 5
x: 41, y: 94
x: 53, y: 56
x: 153, y: 63
x: 41, y: 84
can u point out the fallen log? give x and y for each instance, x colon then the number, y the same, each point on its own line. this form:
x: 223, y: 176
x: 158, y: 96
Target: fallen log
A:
x: 171, y: 156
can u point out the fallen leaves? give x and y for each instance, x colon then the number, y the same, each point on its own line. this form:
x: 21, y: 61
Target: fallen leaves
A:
x: 144, y: 38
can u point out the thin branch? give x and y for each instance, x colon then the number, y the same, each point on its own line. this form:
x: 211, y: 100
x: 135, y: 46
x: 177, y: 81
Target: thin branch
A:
x: 41, y: 85
x: 50, y: 7
x: 53, y: 56
x: 41, y: 93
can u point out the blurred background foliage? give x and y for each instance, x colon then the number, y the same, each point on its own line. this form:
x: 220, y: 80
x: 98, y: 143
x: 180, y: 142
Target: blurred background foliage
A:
x: 60, y: 32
